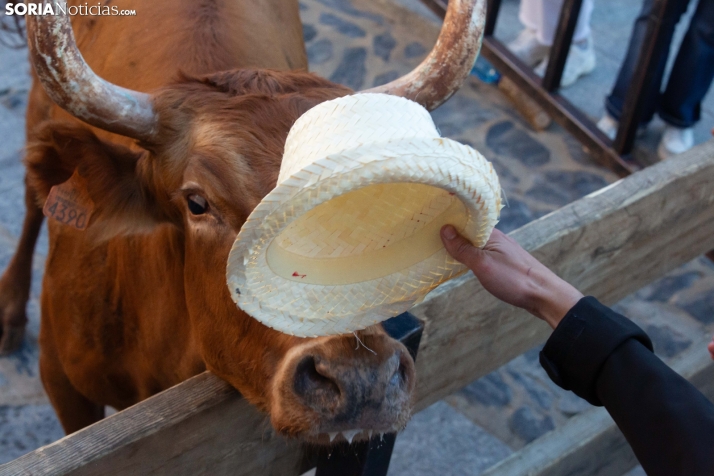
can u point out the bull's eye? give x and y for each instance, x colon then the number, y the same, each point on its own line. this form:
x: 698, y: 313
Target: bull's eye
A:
x: 197, y: 204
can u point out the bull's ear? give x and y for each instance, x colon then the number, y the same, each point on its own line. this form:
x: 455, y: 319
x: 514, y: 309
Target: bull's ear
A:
x: 116, y: 179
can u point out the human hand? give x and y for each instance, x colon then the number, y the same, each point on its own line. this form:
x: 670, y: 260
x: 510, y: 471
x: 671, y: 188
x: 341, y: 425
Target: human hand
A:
x: 512, y: 275
x: 711, y: 348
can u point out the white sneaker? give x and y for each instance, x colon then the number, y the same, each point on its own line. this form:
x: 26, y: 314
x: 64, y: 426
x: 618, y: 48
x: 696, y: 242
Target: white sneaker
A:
x: 609, y: 125
x: 675, y: 141
x: 527, y: 47
x: 581, y: 61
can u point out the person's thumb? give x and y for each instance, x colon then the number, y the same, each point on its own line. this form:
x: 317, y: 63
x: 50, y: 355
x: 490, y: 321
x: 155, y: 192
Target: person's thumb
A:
x: 459, y: 247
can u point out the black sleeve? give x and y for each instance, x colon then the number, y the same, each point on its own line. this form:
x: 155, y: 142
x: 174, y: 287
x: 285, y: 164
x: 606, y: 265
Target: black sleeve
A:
x: 606, y: 359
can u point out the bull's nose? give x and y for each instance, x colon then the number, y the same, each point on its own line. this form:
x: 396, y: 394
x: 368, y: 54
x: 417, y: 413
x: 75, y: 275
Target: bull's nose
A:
x: 335, y: 388
x: 315, y: 385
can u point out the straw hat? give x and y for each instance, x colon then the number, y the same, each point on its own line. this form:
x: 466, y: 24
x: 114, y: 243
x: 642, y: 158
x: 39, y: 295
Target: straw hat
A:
x: 350, y: 235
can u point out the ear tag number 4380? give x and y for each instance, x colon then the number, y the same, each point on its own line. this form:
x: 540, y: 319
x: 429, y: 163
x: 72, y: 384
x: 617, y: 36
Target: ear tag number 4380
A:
x: 69, y: 203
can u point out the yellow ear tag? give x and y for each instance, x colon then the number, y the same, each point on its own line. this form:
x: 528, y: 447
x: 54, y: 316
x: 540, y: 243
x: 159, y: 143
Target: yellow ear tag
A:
x: 69, y: 203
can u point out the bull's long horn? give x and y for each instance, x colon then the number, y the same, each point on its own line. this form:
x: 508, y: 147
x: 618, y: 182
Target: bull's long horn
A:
x: 71, y: 83
x: 442, y: 72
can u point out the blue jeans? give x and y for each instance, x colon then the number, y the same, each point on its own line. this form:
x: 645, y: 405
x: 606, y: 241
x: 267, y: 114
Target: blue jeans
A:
x: 680, y: 103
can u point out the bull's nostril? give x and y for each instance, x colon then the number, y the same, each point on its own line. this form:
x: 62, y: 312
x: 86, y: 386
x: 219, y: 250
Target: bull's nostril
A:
x: 405, y: 371
x: 313, y: 386
x: 402, y: 374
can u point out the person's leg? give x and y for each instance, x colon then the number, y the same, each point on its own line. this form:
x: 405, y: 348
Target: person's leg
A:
x: 582, y: 28
x: 616, y: 100
x: 527, y: 46
x: 693, y: 71
x: 543, y: 15
x: 548, y: 14
x: 581, y: 56
x: 529, y: 13
x: 689, y: 81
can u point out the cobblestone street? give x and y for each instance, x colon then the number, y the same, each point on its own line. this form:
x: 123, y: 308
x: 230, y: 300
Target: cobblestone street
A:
x: 361, y: 43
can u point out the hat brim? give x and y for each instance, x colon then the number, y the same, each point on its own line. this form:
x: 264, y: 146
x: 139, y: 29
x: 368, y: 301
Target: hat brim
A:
x: 298, y: 307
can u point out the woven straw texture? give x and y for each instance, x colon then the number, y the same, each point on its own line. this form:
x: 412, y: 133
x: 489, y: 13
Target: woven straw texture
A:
x: 349, y: 237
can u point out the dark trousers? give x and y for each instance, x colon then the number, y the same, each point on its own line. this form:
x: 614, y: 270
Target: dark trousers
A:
x: 680, y: 103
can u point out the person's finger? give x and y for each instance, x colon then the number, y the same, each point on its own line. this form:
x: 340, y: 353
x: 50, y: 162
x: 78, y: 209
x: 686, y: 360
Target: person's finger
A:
x: 459, y: 247
x: 711, y: 348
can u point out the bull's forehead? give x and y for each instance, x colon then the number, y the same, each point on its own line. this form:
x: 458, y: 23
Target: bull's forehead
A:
x: 234, y: 169
x: 210, y: 132
x: 220, y: 149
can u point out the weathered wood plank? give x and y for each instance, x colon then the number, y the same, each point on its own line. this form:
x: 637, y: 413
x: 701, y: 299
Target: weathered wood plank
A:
x: 590, y: 444
x: 201, y: 426
x: 608, y: 244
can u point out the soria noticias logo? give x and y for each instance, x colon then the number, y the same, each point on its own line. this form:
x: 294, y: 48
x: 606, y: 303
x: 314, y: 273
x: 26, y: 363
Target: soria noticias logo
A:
x: 61, y: 8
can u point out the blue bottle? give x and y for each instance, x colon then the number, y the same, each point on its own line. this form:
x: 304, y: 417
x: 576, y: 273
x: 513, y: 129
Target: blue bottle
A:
x: 485, y: 71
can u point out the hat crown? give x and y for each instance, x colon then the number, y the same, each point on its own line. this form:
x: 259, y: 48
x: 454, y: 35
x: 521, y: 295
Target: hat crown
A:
x: 350, y: 235
x: 349, y: 122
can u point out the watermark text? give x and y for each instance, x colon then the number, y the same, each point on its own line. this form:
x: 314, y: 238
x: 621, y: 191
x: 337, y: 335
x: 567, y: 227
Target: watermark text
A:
x: 61, y: 8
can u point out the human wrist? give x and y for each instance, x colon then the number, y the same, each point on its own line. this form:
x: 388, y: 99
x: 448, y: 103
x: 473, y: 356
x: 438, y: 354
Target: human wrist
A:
x: 553, y: 303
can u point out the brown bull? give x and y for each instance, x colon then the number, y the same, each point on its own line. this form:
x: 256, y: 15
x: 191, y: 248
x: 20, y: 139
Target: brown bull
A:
x: 138, y: 302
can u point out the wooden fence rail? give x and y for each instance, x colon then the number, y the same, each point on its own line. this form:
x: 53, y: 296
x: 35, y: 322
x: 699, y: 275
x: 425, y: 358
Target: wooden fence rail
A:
x: 608, y: 244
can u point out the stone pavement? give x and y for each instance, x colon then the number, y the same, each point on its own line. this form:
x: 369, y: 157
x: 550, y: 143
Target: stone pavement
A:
x: 362, y: 43
x: 27, y: 421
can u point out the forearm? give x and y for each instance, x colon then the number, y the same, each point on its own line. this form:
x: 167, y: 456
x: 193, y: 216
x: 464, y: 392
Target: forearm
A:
x: 668, y: 423
x: 606, y: 359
